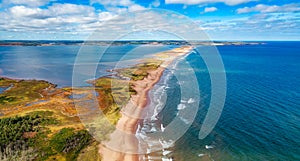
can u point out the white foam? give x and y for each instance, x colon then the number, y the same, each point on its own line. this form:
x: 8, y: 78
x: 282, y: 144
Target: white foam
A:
x: 166, y: 152
x: 166, y: 159
x: 158, y: 98
x: 153, y: 129
x: 154, y: 158
x: 209, y: 146
x: 162, y: 127
x: 157, y: 101
x: 184, y: 120
x: 183, y: 101
x: 181, y: 106
x: 181, y: 82
x: 166, y: 144
x: 201, y: 155
x: 191, y: 100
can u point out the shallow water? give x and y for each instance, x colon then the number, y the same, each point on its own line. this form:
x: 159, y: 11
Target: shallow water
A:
x: 55, y: 63
x: 2, y: 89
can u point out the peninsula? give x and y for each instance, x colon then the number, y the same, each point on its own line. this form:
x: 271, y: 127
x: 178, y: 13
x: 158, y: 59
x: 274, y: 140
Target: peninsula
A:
x: 45, y: 125
x: 122, y: 144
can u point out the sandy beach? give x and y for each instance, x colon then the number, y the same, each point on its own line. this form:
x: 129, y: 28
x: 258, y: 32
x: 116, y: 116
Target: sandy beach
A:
x: 123, y: 145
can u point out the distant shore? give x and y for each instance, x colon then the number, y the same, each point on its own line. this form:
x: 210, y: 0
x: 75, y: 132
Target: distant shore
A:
x: 119, y: 43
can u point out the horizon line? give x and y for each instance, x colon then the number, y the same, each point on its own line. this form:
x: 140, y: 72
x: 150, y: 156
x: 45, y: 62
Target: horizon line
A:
x: 139, y: 40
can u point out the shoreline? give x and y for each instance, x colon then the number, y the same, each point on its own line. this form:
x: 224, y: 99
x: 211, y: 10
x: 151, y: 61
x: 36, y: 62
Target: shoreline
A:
x: 123, y: 138
x: 43, y: 95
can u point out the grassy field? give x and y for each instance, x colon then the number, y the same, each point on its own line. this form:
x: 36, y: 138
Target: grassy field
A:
x: 20, y: 92
x: 40, y: 122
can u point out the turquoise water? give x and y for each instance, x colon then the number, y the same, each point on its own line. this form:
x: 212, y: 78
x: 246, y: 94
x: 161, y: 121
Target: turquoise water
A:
x: 261, y: 117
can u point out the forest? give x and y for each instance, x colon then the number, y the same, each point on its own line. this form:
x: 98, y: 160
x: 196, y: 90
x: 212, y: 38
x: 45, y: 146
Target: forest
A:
x: 28, y: 138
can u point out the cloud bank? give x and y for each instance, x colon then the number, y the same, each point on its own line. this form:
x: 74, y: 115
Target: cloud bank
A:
x: 48, y: 19
x: 262, y: 8
x: 195, y: 2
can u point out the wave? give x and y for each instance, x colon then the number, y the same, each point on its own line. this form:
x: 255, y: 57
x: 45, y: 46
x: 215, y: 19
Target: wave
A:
x: 191, y: 100
x: 151, y: 123
x: 181, y: 106
x: 186, y: 121
x: 158, y: 94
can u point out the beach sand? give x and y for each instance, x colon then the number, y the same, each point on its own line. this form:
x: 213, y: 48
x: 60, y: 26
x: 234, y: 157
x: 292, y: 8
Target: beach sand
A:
x: 123, y: 145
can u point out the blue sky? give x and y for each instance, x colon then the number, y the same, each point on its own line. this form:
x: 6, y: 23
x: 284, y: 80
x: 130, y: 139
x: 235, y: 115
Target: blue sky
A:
x: 220, y: 19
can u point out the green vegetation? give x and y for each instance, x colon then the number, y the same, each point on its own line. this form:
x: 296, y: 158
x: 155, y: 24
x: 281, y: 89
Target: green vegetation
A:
x: 115, y: 93
x: 6, y: 99
x: 17, y: 128
x: 139, y: 71
x: 27, y: 138
x: 21, y: 91
x: 112, y: 92
x: 90, y: 153
x: 21, y: 133
x: 70, y: 142
x: 53, y: 135
x: 5, y: 82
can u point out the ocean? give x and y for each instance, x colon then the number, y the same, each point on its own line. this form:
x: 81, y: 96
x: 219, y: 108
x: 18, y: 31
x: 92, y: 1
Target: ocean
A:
x: 261, y: 116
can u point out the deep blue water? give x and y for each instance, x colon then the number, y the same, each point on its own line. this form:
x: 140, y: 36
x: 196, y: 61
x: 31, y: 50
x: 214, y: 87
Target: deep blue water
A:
x: 261, y: 117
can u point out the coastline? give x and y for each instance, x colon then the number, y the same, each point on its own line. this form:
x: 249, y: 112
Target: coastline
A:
x: 122, y: 144
x: 188, y: 148
x: 43, y: 96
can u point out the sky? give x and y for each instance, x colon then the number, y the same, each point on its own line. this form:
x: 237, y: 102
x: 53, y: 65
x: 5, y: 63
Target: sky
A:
x: 219, y: 19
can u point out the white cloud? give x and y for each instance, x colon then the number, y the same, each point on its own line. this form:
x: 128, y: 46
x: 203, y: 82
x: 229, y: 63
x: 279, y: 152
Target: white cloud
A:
x: 63, y: 9
x: 146, y: 25
x: 113, y: 2
x: 259, y: 26
x: 104, y: 16
x: 210, y: 9
x: 55, y: 18
x: 51, y: 11
x: 82, y: 19
x: 194, y: 2
x: 31, y: 3
x: 155, y: 3
x: 135, y: 7
x: 22, y: 11
x: 268, y: 9
x: 119, y: 6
